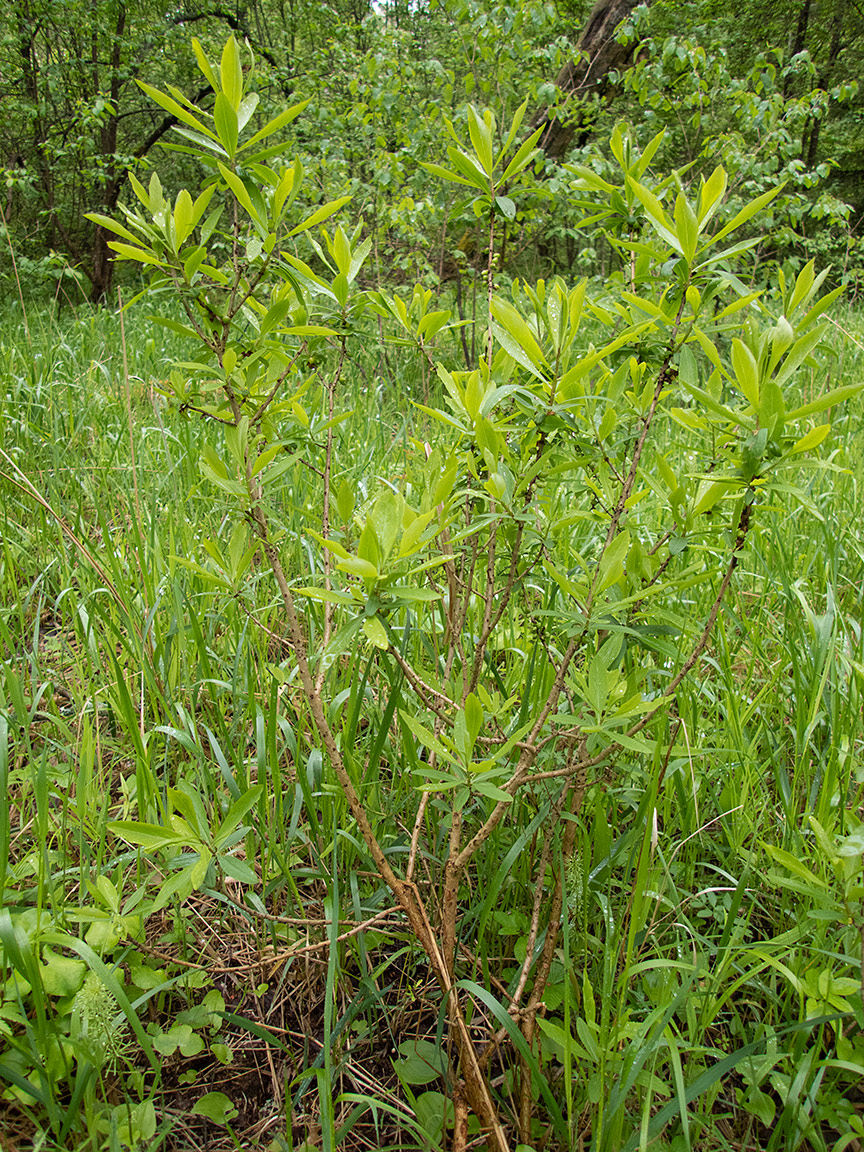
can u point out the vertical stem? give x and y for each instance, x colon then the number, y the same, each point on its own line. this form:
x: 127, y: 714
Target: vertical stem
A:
x: 490, y: 280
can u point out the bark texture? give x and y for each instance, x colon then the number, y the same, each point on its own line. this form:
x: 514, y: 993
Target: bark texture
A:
x: 598, y: 54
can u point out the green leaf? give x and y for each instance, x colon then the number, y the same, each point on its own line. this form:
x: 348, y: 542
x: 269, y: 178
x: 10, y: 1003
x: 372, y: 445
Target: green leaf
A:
x: 358, y: 567
x: 61, y: 975
x: 708, y: 401
x: 341, y: 250
x: 513, y: 324
x: 710, y: 195
x: 175, y: 109
x: 473, y: 717
x: 232, y: 73
x: 149, y: 836
x: 661, y: 223
x: 412, y: 537
x: 481, y: 139
x: 598, y: 684
x: 375, y: 632
x: 142, y: 255
x: 515, y: 124
x: 319, y: 215
x: 472, y: 174
x: 316, y: 330
x: 326, y: 595
x: 746, y: 213
x: 182, y: 1037
x: 820, y: 306
x: 709, y: 494
x: 368, y: 547
x: 239, y: 189
x: 237, y: 811
x: 275, y: 315
x: 188, y: 802
x: 427, y: 738
x: 216, y: 1107
x: 828, y: 400
x: 525, y: 153
x: 772, y: 409
x: 217, y: 473
x: 611, y: 567
x: 287, y: 188
x: 421, y: 1063
x: 794, y: 865
x: 112, y: 226
x: 236, y: 868
x: 811, y: 439
x: 227, y: 126
x: 444, y: 174
x: 204, y: 65
x: 590, y: 178
x: 799, y: 352
x: 686, y: 227
x: 851, y: 845
x: 198, y: 870
x: 386, y: 519
x: 179, y: 884
x: 492, y: 791
x: 746, y: 372
x: 409, y: 595
x: 285, y: 117
x: 506, y: 207
x: 246, y: 110
x: 345, y: 500
x: 183, y: 218
x: 331, y: 545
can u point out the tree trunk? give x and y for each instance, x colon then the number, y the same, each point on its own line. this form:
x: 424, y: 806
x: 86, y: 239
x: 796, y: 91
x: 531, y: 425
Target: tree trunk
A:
x: 598, y: 53
x: 797, y: 42
x: 836, y: 46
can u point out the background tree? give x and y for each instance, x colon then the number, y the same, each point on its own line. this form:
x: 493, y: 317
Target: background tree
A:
x: 599, y: 57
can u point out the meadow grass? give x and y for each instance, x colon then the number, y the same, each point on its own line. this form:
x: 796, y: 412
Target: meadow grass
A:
x: 707, y: 990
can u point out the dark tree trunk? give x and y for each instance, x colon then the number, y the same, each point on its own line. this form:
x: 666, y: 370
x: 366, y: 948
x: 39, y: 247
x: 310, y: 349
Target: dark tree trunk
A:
x: 797, y: 41
x: 103, y: 257
x: 836, y: 46
x: 800, y: 38
x: 598, y: 54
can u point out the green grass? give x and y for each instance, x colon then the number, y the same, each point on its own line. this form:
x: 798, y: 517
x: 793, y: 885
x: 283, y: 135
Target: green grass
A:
x: 706, y: 989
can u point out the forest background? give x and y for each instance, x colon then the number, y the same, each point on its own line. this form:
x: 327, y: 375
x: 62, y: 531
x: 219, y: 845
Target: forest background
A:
x: 431, y: 646
x: 770, y: 90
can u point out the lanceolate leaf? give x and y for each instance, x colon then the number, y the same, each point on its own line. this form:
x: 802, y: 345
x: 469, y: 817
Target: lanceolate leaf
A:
x: 746, y: 213
x: 176, y: 110
x: 284, y: 118
x: 128, y: 252
x: 746, y: 371
x: 149, y: 836
x: 319, y: 215
x: 239, y: 189
x: 828, y: 400
x: 525, y: 153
